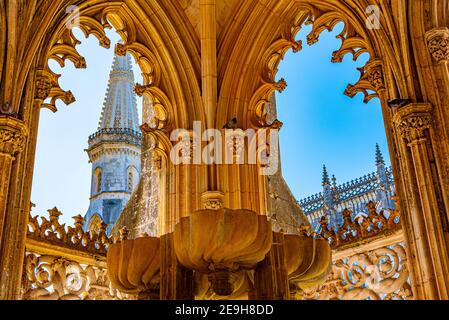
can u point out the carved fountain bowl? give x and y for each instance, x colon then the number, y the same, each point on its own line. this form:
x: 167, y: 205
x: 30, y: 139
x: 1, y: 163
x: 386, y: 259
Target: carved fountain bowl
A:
x: 308, y: 260
x: 134, y: 265
x: 221, y: 242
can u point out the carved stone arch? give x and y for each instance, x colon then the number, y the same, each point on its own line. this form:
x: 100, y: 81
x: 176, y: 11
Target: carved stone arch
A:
x: 158, y: 66
x: 380, y: 44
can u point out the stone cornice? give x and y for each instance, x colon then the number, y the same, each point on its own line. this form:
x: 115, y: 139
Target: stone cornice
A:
x: 116, y: 135
x: 13, y: 135
x: 113, y: 148
x: 108, y: 194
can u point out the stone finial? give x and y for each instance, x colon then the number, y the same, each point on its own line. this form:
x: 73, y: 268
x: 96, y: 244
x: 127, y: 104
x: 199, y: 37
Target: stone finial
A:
x: 379, y: 157
x: 326, y: 180
x: 334, y: 182
x: 438, y: 44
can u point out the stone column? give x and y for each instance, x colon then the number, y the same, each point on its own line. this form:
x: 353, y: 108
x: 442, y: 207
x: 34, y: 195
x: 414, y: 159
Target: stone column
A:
x: 177, y: 282
x: 425, y: 216
x: 13, y: 135
x: 270, y: 276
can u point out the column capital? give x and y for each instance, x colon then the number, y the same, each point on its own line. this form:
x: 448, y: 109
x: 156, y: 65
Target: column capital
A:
x: 438, y: 44
x: 13, y: 135
x: 412, y: 121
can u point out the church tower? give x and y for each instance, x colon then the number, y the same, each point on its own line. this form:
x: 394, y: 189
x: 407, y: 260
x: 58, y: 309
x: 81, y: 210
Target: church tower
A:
x: 114, y: 150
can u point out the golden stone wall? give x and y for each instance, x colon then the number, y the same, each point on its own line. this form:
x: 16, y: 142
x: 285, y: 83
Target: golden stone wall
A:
x: 215, y: 60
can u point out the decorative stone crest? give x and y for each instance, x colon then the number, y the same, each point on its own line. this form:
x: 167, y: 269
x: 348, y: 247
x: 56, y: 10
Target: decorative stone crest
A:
x: 353, y: 231
x: 52, y: 231
x: 438, y: 44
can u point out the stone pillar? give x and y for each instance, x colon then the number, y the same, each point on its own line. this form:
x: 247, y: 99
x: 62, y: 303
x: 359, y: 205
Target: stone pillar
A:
x: 426, y: 219
x: 270, y: 276
x: 177, y: 283
x: 13, y: 135
x: 12, y: 140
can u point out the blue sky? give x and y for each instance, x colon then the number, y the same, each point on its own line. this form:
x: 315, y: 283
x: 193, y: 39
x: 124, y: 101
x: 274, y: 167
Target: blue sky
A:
x: 321, y: 125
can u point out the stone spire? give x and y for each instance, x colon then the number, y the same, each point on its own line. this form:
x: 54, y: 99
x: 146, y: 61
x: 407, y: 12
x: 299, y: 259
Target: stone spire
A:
x: 328, y: 196
x: 326, y: 180
x: 382, y: 177
x: 115, y: 149
x: 120, y: 106
x: 379, y: 156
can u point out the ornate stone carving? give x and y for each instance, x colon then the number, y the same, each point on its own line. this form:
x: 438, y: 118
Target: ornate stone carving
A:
x: 353, y: 231
x: 371, y: 80
x: 377, y: 274
x: 413, y: 120
x: 56, y: 278
x: 13, y: 135
x: 43, y: 87
x: 212, y: 200
x: 52, y: 231
x: 438, y: 44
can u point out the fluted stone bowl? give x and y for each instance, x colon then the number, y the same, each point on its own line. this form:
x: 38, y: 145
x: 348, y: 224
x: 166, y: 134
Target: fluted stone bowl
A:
x: 308, y: 260
x: 222, y: 242
x: 134, y: 265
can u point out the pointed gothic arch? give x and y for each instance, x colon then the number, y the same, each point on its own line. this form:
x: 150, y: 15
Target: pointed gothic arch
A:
x: 409, y: 73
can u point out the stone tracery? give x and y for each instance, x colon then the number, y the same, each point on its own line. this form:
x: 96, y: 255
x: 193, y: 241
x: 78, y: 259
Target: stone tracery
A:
x: 401, y: 68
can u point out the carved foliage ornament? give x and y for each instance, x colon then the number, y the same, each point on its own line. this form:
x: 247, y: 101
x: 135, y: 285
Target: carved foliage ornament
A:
x: 380, y: 274
x: 12, y: 135
x: 72, y: 237
x: 352, y: 231
x: 413, y: 120
x: 438, y: 44
x: 56, y: 278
